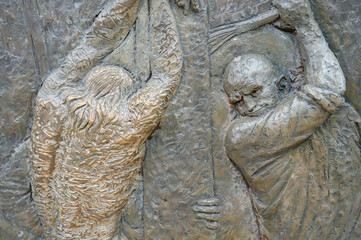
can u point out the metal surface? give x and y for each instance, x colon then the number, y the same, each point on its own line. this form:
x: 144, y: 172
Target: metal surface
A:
x: 184, y: 119
x: 88, y: 137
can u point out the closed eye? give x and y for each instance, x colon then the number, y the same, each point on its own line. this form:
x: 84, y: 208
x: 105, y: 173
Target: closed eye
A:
x: 236, y: 99
x: 256, y: 91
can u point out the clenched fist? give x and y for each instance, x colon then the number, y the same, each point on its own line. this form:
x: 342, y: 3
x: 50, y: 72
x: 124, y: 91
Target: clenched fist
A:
x: 208, y: 210
x: 294, y: 12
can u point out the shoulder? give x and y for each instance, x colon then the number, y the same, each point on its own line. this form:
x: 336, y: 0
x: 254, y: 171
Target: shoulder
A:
x: 49, y: 108
x: 239, y: 127
x: 238, y: 133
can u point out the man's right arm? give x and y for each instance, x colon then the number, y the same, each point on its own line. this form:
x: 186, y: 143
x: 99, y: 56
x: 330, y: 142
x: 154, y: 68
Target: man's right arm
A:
x: 289, y: 124
x: 322, y: 69
x: 44, y: 142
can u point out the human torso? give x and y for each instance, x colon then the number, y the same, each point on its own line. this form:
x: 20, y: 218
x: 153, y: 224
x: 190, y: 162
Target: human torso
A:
x: 94, y: 176
x: 299, y: 192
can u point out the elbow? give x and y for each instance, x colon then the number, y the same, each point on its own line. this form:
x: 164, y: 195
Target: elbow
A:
x: 342, y: 87
x: 335, y: 83
x: 338, y: 79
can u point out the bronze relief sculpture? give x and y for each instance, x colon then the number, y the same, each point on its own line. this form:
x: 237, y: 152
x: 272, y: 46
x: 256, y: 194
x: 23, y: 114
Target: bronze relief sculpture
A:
x: 88, y: 137
x: 184, y: 119
x: 297, y: 149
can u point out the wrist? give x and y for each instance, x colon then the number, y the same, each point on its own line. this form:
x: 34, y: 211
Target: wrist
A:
x: 309, y: 29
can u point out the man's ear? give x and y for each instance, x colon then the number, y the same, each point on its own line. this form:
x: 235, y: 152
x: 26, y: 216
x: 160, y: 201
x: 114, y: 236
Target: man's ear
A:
x: 284, y: 85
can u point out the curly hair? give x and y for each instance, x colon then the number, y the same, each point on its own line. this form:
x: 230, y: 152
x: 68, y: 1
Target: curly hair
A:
x: 99, y: 97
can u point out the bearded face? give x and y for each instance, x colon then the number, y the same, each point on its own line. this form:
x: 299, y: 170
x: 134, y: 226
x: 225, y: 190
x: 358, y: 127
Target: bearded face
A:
x: 252, y: 86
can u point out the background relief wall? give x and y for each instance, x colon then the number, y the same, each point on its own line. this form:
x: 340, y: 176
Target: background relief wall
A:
x: 185, y: 158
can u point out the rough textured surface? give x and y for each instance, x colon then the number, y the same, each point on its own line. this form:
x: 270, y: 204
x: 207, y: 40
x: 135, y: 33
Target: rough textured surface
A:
x: 340, y: 21
x: 19, y: 78
x: 186, y: 159
x: 16, y: 200
x: 171, y: 181
x: 228, y: 11
x: 35, y: 37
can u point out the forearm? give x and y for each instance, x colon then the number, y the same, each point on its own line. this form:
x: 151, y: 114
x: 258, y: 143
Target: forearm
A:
x: 322, y: 69
x: 107, y: 32
x: 166, y: 55
x: 41, y: 161
x: 166, y: 58
x: 113, y: 23
x: 287, y: 125
x: 44, y: 143
x: 150, y: 103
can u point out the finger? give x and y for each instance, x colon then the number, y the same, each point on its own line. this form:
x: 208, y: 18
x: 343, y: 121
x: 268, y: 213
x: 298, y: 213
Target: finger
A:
x: 208, y: 217
x: 212, y: 225
x: 208, y: 202
x: 206, y: 209
x: 180, y: 3
x: 196, y: 6
x: 186, y: 8
x: 282, y: 25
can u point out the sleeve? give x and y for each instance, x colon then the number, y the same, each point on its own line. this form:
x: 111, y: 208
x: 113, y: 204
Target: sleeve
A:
x: 44, y: 142
x: 284, y: 127
x: 328, y: 100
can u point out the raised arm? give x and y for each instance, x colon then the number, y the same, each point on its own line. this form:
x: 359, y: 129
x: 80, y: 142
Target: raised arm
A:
x: 322, y: 69
x: 272, y: 134
x: 44, y: 142
x: 297, y: 116
x: 107, y: 32
x: 148, y: 104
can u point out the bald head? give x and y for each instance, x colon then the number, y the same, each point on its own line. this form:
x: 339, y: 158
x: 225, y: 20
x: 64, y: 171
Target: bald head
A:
x: 251, y: 84
x: 247, y: 69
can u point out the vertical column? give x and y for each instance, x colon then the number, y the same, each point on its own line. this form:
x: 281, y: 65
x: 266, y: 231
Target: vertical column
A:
x: 178, y: 168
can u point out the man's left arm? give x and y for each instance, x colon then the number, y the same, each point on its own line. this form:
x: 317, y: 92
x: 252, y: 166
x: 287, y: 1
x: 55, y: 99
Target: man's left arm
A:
x: 109, y: 29
x: 322, y: 68
x: 147, y: 106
